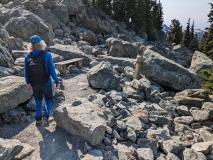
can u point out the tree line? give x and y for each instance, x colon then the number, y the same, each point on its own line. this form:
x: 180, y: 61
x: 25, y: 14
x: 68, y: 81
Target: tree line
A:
x: 139, y: 15
x: 189, y: 39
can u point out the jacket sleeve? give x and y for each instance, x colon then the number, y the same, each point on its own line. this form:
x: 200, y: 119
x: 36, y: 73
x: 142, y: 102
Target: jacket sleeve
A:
x: 51, y: 69
x: 25, y: 69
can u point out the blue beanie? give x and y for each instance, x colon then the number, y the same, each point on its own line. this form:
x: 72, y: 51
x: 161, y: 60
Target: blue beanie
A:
x: 35, y: 39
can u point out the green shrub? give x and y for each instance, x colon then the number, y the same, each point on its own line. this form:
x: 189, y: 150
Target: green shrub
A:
x: 206, y: 79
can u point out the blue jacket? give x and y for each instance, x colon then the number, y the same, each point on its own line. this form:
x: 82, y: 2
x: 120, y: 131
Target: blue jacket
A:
x: 49, y: 63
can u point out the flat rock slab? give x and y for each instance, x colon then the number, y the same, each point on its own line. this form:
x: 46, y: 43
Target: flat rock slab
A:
x: 82, y: 118
x: 13, y: 91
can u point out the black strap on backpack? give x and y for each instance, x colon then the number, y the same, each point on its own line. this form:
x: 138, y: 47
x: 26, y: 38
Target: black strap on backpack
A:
x: 37, y: 71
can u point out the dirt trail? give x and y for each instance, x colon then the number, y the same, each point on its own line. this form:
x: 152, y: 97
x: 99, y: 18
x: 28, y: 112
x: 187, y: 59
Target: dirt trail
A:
x: 52, y: 142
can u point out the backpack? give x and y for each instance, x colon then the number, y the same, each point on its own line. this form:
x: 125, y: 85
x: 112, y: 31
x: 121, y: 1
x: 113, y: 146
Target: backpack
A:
x: 37, y: 71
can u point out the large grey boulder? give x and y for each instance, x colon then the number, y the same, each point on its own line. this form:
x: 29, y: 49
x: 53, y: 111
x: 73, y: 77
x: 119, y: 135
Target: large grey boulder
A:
x: 9, y: 148
x: 193, y: 97
x: 6, y: 59
x: 72, y: 6
x: 48, y: 16
x: 69, y: 52
x: 118, y: 48
x: 14, y: 149
x: 4, y: 1
x: 48, y: 4
x: 200, y: 61
x: 3, y: 32
x: 94, y: 20
x: 62, y: 13
x: 13, y: 91
x: 102, y: 76
x: 167, y: 73
x: 120, y: 61
x: 14, y: 43
x: 82, y: 118
x: 23, y: 24
x: 89, y: 36
x: 204, y: 147
x: 190, y: 154
x: 5, y: 72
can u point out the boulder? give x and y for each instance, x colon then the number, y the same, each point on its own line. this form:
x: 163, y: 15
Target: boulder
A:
x: 173, y: 146
x: 120, y: 61
x: 200, y: 61
x: 18, y: 53
x: 3, y: 32
x: 14, y: 149
x: 14, y: 43
x: 6, y: 59
x: 190, y: 154
x: 94, y: 20
x: 26, y: 24
x: 4, y: 1
x: 145, y: 153
x: 10, y: 148
x: 118, y: 48
x: 193, y: 97
x: 102, y: 76
x: 167, y: 73
x: 72, y: 6
x: 48, y: 16
x: 62, y: 13
x: 82, y: 118
x: 89, y: 36
x: 204, y: 147
x: 5, y: 72
x: 49, y: 4
x: 69, y: 52
x: 10, y: 89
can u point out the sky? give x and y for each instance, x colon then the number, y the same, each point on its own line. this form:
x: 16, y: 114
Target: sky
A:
x: 182, y: 10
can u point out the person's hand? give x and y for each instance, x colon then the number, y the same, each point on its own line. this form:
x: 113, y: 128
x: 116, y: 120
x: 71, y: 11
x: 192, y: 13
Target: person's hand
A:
x: 29, y: 87
x: 58, y: 86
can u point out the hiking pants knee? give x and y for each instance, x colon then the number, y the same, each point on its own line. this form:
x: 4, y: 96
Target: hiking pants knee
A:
x: 38, y: 95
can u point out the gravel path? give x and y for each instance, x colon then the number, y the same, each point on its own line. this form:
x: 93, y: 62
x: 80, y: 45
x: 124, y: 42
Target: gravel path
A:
x: 52, y: 142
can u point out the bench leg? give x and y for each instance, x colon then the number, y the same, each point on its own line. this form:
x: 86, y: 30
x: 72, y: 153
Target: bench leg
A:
x: 61, y: 68
x: 79, y: 64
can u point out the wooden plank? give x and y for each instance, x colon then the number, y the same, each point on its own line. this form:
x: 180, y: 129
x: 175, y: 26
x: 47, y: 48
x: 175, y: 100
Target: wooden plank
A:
x: 69, y: 61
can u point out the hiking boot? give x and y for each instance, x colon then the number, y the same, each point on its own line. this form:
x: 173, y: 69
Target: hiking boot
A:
x: 38, y: 122
x: 45, y: 122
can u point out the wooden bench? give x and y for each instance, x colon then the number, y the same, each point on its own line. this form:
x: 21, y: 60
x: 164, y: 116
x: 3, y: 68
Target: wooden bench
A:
x: 61, y: 66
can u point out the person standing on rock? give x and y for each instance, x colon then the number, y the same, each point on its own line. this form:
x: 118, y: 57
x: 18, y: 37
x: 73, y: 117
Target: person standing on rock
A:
x: 38, y: 70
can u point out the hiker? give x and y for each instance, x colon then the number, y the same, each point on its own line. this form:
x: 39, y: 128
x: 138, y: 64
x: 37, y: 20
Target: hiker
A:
x: 138, y: 65
x: 38, y: 70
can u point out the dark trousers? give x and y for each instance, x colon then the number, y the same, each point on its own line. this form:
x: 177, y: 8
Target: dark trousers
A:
x: 38, y: 95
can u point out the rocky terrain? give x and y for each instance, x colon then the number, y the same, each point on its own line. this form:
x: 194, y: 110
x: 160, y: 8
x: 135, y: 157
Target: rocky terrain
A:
x: 101, y: 111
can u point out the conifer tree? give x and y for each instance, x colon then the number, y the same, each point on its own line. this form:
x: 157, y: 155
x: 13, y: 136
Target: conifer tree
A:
x: 118, y: 10
x: 105, y: 6
x: 194, y: 43
x: 130, y: 9
x: 192, y: 32
x: 85, y: 2
x: 206, y: 45
x: 150, y: 30
x: 158, y: 15
x: 94, y: 3
x: 186, y: 35
x: 206, y: 79
x: 139, y: 18
x: 174, y: 34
